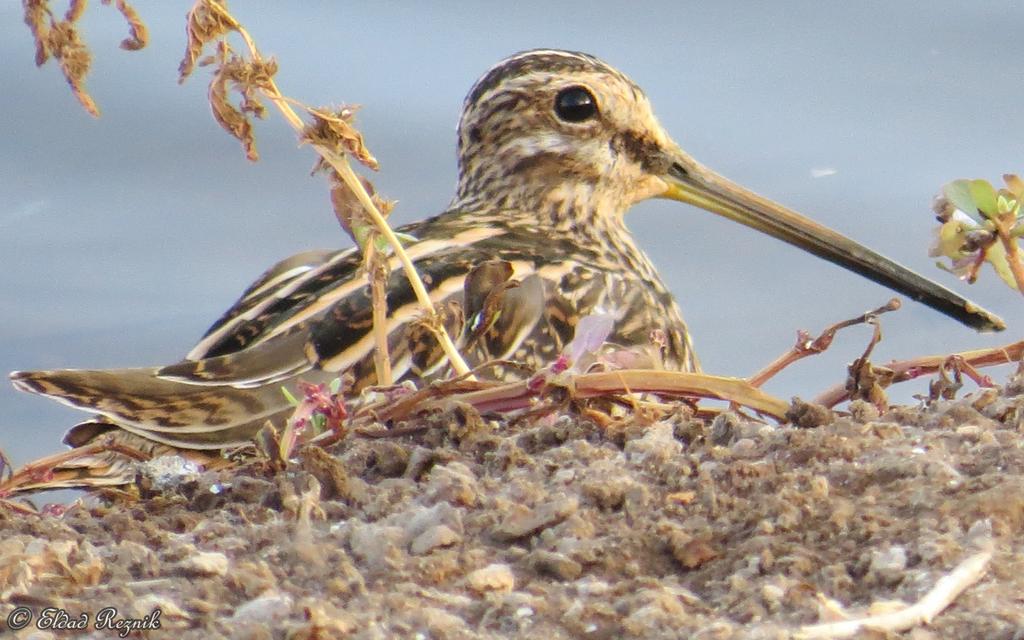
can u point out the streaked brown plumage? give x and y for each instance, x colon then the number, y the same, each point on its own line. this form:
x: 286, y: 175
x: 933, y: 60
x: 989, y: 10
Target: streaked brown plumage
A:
x: 553, y: 148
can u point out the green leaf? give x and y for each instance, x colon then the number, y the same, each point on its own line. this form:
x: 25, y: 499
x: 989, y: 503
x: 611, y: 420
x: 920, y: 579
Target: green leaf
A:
x: 318, y: 422
x: 381, y: 244
x: 335, y: 385
x: 360, y: 233
x: 1006, y: 203
x: 959, y: 193
x: 292, y: 400
x: 984, y: 196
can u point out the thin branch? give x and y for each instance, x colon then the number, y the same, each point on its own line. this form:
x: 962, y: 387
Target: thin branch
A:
x: 916, y: 367
x: 523, y: 394
x: 806, y: 347
x: 1013, y: 255
x: 377, y: 268
x: 945, y: 591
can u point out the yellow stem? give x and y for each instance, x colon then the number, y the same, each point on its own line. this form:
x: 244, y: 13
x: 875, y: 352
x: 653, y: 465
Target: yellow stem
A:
x: 377, y: 273
x: 1013, y: 257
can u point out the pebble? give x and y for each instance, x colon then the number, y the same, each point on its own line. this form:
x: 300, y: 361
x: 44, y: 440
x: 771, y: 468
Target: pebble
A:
x: 888, y: 564
x: 269, y: 608
x: 493, y: 577
x: 657, y: 446
x: 555, y: 564
x: 377, y: 545
x: 523, y: 521
x: 434, y: 538
x: 206, y: 563
x: 454, y: 483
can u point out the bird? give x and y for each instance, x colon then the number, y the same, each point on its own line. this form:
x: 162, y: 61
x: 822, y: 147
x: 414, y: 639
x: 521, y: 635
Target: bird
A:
x: 553, y: 148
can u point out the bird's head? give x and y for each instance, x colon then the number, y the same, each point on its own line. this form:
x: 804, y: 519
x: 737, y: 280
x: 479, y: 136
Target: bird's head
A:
x: 563, y: 134
x: 564, y: 141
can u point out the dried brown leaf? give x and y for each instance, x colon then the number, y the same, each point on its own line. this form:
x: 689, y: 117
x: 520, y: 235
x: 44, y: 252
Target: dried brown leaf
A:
x: 230, y: 118
x: 67, y: 47
x: 206, y: 21
x: 62, y: 41
x: 75, y: 10
x: 248, y: 78
x: 138, y: 34
x: 333, y: 129
x: 424, y: 349
x: 348, y: 208
x: 37, y: 17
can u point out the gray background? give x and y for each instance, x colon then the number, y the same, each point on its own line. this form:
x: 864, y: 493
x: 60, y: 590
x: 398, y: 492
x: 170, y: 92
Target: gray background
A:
x: 123, y: 238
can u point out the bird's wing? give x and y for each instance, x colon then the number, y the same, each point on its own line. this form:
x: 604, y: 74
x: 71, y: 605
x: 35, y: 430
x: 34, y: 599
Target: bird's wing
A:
x: 279, y: 292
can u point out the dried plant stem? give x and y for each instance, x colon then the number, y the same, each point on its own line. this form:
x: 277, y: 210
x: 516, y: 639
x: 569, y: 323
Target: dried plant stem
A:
x: 1013, y: 255
x: 806, y: 347
x: 378, y: 279
x: 518, y: 395
x: 923, y: 611
x: 916, y: 367
x: 348, y: 176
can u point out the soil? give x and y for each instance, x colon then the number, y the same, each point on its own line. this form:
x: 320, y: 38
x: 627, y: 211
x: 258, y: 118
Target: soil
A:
x: 556, y: 528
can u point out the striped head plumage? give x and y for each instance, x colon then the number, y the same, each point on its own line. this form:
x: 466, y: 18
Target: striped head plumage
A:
x: 553, y: 148
x: 562, y: 137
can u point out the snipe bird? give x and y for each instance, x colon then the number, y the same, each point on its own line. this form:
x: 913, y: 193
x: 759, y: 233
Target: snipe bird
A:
x: 553, y: 148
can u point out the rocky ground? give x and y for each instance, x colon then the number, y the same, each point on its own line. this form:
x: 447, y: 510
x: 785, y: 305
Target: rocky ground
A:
x: 471, y: 528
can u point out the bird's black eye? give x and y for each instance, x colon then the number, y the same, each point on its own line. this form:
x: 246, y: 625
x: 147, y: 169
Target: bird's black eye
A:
x: 575, y: 104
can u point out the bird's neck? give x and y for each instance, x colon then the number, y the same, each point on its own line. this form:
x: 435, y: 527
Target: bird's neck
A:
x: 566, y: 207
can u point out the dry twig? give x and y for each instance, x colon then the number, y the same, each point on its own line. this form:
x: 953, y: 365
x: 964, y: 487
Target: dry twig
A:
x: 904, y: 370
x: 945, y: 591
x: 527, y: 393
x: 805, y: 346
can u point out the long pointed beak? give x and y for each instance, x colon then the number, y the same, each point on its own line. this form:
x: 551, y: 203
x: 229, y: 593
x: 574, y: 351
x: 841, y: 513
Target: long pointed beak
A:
x: 694, y: 184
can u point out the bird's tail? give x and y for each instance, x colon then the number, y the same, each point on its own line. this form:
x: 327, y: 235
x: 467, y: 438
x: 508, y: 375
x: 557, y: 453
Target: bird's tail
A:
x: 168, y: 410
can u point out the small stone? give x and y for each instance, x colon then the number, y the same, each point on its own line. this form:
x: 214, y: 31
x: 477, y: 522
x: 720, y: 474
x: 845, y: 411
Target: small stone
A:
x: 555, y: 564
x: 863, y: 411
x: 493, y: 577
x: 744, y: 448
x: 440, y: 623
x: 522, y: 521
x: 808, y: 415
x: 433, y: 538
x: 690, y: 552
x: 149, y: 603
x: 206, y: 564
x: 591, y: 586
x: 970, y: 432
x: 418, y: 519
x: 270, y: 608
x: 377, y: 545
x: 888, y: 564
x: 772, y: 595
x: 723, y: 428
x: 657, y: 446
x: 167, y: 472
x: 681, y: 497
x: 453, y: 483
